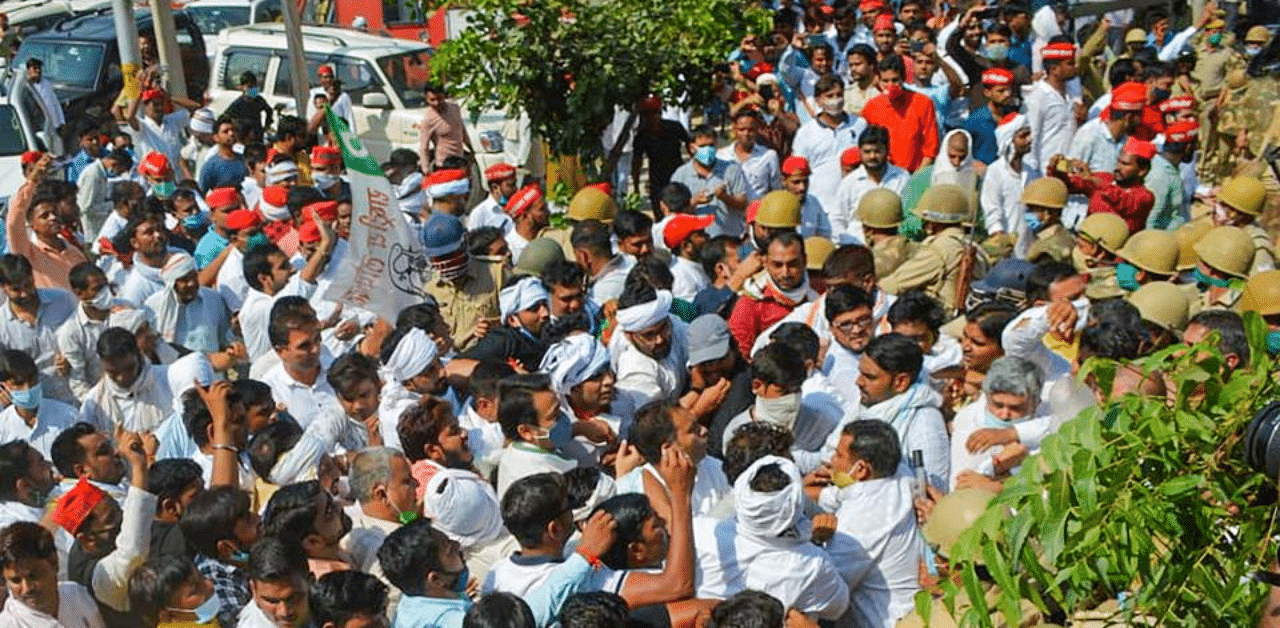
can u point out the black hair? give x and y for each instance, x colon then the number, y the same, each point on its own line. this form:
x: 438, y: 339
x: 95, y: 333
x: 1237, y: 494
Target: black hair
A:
x: 1000, y: 28
x: 1045, y: 274
x: 515, y: 401
x: 171, y: 477
x: 422, y: 424
x: 212, y: 517
x: 676, y: 195
x: 66, y: 450
x: 827, y: 83
x: 751, y: 442
x: 1108, y: 340
x: 798, y: 338
x: 652, y: 428
x: 153, y: 583
x: 291, y: 512
x: 844, y: 298
x: 270, y: 443
x: 424, y: 316
x: 896, y: 354
x: 629, y: 224
x: 991, y: 317
x: 486, y: 376
x: 777, y: 364
x: 630, y: 511
x: 1230, y: 328
x: 287, y: 314
x: 1121, y: 312
x: 409, y: 553
x: 196, y: 417
x: 349, y: 371
x: 531, y: 503
x: 851, y: 261
x: 15, y: 464
x: 275, y: 559
x: 748, y: 609
x: 257, y: 262
x: 892, y: 63
x: 290, y: 126
x: 1049, y: 64
x: 636, y: 292
x: 121, y: 157
x: 122, y: 191
x: 562, y: 272
x: 714, y: 251
x: 14, y: 269
x: 651, y: 272
x: 499, y: 610
x: 340, y: 596
x: 917, y: 307
x: 17, y: 366
x: 595, y: 609
x: 877, y: 443
x: 769, y: 478
x: 252, y: 392
x: 302, y: 195
x: 580, y: 483
x: 481, y: 238
x: 592, y: 236
x: 874, y: 134
x: 254, y: 154
x: 865, y: 51
x: 785, y: 239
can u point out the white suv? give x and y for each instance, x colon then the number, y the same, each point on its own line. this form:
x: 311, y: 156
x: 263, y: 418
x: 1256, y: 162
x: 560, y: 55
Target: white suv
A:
x: 383, y: 76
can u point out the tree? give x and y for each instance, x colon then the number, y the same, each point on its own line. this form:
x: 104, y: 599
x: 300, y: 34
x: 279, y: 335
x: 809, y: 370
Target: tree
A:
x: 1141, y: 501
x: 569, y: 64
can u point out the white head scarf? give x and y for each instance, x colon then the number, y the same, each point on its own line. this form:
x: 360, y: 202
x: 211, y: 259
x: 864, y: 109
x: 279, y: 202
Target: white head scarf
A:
x: 521, y: 296
x: 184, y: 372
x: 945, y: 173
x: 770, y: 515
x: 642, y: 316
x: 1006, y: 132
x: 168, y: 309
x: 574, y: 360
x: 130, y: 319
x: 1044, y: 26
x: 413, y: 354
x: 464, y: 507
x: 605, y: 489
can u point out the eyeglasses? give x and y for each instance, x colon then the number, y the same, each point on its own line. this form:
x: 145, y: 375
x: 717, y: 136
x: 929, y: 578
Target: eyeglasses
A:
x: 848, y: 327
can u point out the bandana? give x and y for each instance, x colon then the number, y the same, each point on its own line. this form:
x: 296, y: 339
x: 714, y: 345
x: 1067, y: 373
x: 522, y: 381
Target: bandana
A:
x: 190, y: 368
x: 129, y: 320
x: 642, y: 316
x: 446, y: 183
x: 465, y: 509
x: 280, y: 172
x: 945, y: 173
x: 769, y: 515
x: 498, y: 172
x: 1006, y: 132
x: 574, y: 360
x: 521, y: 295
x: 605, y: 489
x: 761, y: 286
x: 76, y: 505
x: 168, y: 310
x: 523, y: 201
x: 413, y: 354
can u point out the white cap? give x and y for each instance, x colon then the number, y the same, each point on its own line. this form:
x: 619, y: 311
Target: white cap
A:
x: 202, y: 121
x: 360, y: 22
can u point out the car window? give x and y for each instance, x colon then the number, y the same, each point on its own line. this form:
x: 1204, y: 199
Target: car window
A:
x: 240, y: 61
x: 12, y: 141
x: 268, y: 11
x: 357, y: 78
x: 73, y: 64
x: 212, y: 20
x: 408, y: 73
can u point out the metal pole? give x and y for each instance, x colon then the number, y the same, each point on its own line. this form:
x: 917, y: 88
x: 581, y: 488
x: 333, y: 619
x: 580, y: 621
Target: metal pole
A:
x: 297, y: 63
x: 167, y: 47
x: 127, y: 40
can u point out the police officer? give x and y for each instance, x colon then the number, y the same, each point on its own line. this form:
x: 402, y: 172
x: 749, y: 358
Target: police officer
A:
x: 1225, y: 256
x: 1165, y: 308
x: 1150, y: 255
x: 1188, y: 235
x: 1262, y: 295
x: 1239, y: 204
x: 1100, y: 236
x: 936, y: 265
x: 1045, y: 197
x: 880, y: 211
x: 466, y: 288
x: 776, y: 212
x: 590, y: 203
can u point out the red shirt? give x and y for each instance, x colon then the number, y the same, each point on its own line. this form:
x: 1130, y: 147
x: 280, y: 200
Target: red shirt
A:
x: 912, y: 124
x: 752, y: 316
x: 1131, y: 203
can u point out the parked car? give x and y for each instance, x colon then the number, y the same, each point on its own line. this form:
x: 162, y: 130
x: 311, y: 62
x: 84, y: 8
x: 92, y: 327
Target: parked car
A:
x: 212, y: 16
x: 33, y: 16
x: 23, y: 127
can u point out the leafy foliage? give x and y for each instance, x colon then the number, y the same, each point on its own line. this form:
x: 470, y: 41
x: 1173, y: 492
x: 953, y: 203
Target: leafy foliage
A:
x: 1146, y: 502
x: 569, y: 63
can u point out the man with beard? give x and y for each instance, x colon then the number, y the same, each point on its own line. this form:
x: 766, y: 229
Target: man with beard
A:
x: 1098, y: 143
x: 1121, y: 192
x: 307, y: 515
x: 280, y: 580
x: 133, y: 394
x: 997, y: 89
x: 770, y: 295
x: 1003, y: 211
x: 26, y: 479
x: 583, y: 379
x: 193, y: 316
x: 650, y: 354
x: 411, y: 369
x: 813, y: 216
x: 432, y: 440
x: 149, y: 239
x: 909, y: 116
x: 529, y: 216
x: 875, y: 172
x: 465, y: 288
x: 523, y: 305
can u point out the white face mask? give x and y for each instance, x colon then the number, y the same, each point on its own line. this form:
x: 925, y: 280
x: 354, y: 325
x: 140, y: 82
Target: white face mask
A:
x: 102, y: 300
x: 781, y: 411
x: 833, y: 106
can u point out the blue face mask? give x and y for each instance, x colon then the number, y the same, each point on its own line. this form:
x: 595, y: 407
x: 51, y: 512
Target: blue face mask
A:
x: 705, y: 155
x: 1273, y: 342
x: 1127, y: 276
x: 561, y: 433
x: 205, y: 613
x: 1215, y: 39
x: 1033, y: 221
x: 257, y: 241
x: 28, y: 399
x: 239, y: 556
x: 195, y: 221
x: 253, y: 92
x: 992, y: 421
x: 460, y: 586
x: 996, y: 52
x: 1211, y: 281
x: 163, y: 190
x: 502, y: 201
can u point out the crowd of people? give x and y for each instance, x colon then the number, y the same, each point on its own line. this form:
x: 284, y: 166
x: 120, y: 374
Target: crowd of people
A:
x: 772, y: 398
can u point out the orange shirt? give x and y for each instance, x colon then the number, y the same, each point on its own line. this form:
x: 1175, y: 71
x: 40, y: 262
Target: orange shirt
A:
x: 913, y: 128
x: 49, y: 266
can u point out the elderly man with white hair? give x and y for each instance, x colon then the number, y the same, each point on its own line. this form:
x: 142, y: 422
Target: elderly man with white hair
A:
x: 1004, y: 213
x: 410, y: 369
x: 524, y: 305
x: 193, y: 316
x: 384, y: 489
x: 991, y: 437
x: 583, y: 379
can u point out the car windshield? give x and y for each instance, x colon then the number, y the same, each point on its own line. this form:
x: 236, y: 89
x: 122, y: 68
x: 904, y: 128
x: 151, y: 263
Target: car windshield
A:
x: 408, y: 73
x: 72, y: 64
x: 212, y: 19
x: 11, y: 139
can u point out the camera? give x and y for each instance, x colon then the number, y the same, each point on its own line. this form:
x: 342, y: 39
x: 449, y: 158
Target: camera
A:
x: 1262, y: 441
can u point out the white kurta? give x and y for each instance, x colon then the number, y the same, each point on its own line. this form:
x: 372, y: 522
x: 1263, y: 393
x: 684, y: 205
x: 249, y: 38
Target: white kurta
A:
x: 1052, y: 120
x: 845, y: 223
x: 1002, y: 208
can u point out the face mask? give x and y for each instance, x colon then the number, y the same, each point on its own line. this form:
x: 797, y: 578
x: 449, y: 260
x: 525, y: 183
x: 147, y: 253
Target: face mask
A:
x: 1033, y: 221
x: 459, y: 580
x: 1127, y: 276
x: 324, y: 180
x: 1273, y: 342
x: 239, y: 556
x: 453, y: 268
x: 781, y: 411
x: 833, y: 106
x: 28, y: 399
x: 1252, y: 51
x: 163, y: 190
x: 705, y: 155
x: 994, y: 422
x: 502, y: 201
x: 894, y: 91
x: 1211, y: 281
x: 1215, y: 39
x: 256, y: 241
x: 102, y: 300
x: 195, y: 221
x: 253, y: 92
x: 841, y: 479
x: 204, y: 613
x: 1161, y: 95
x: 996, y: 52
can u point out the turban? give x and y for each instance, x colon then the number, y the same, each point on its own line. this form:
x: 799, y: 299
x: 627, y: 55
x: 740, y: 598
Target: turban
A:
x: 446, y: 183
x: 642, y: 316
x: 202, y: 121
x: 463, y: 507
x: 574, y: 360
x: 413, y: 354
x: 281, y: 171
x: 521, y: 296
x: 76, y: 505
x: 769, y: 515
x: 130, y: 320
x: 169, y: 309
x: 274, y: 204
x: 184, y: 372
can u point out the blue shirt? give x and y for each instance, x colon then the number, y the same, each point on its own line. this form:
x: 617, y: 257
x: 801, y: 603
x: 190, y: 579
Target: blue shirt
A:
x: 222, y: 173
x: 981, y: 125
x: 209, y: 247
x: 430, y: 612
x: 79, y: 162
x: 1020, y: 51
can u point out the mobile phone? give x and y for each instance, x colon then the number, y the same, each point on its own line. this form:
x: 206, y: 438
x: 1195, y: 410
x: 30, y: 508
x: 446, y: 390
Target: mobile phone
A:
x: 917, y: 45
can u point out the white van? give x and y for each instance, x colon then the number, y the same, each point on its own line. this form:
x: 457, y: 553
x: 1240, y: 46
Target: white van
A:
x: 213, y: 16
x: 383, y: 76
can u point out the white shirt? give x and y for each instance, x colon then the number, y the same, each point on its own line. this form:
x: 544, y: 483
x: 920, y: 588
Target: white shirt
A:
x: 78, y: 341
x: 516, y: 243
x: 822, y: 146
x: 255, y: 314
x: 204, y: 324
x: 94, y: 199
x: 1053, y: 122
x: 607, y: 285
x: 710, y: 485
x: 13, y: 512
x: 231, y: 283
x: 51, y: 418
x: 814, y: 219
x: 644, y: 379
x: 484, y: 439
x: 305, y: 403
x: 1096, y: 147
x: 844, y: 220
x: 518, y: 575
x: 49, y: 100
x: 142, y: 408
x: 142, y: 281
x: 365, y: 537
x: 689, y: 278
x: 760, y: 168
x: 76, y: 609
x: 166, y: 138
x: 809, y: 432
x: 111, y: 225
x: 1002, y: 208
x: 488, y: 213
x: 40, y: 341
x: 914, y: 415
x: 520, y: 460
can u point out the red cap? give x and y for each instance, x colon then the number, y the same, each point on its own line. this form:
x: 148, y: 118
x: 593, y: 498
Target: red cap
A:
x: 498, y: 172
x: 76, y: 505
x: 884, y: 22
x: 1059, y: 50
x: 275, y: 196
x: 759, y: 69
x: 222, y: 198
x: 326, y: 156
x: 31, y: 157
x: 997, y: 76
x: 309, y: 232
x: 1177, y: 103
x: 603, y: 186
x: 826, y: 10
x: 681, y: 226
x: 794, y: 164
x: 325, y: 69
x: 243, y: 219
x: 154, y: 165
x: 851, y: 157
x: 1129, y: 97
x: 326, y: 210
x: 152, y: 94
x: 443, y: 176
x: 524, y: 200
x: 1140, y: 148
x: 1009, y: 117
x: 652, y: 103
x: 1182, y: 131
x: 751, y: 211
x: 871, y: 6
